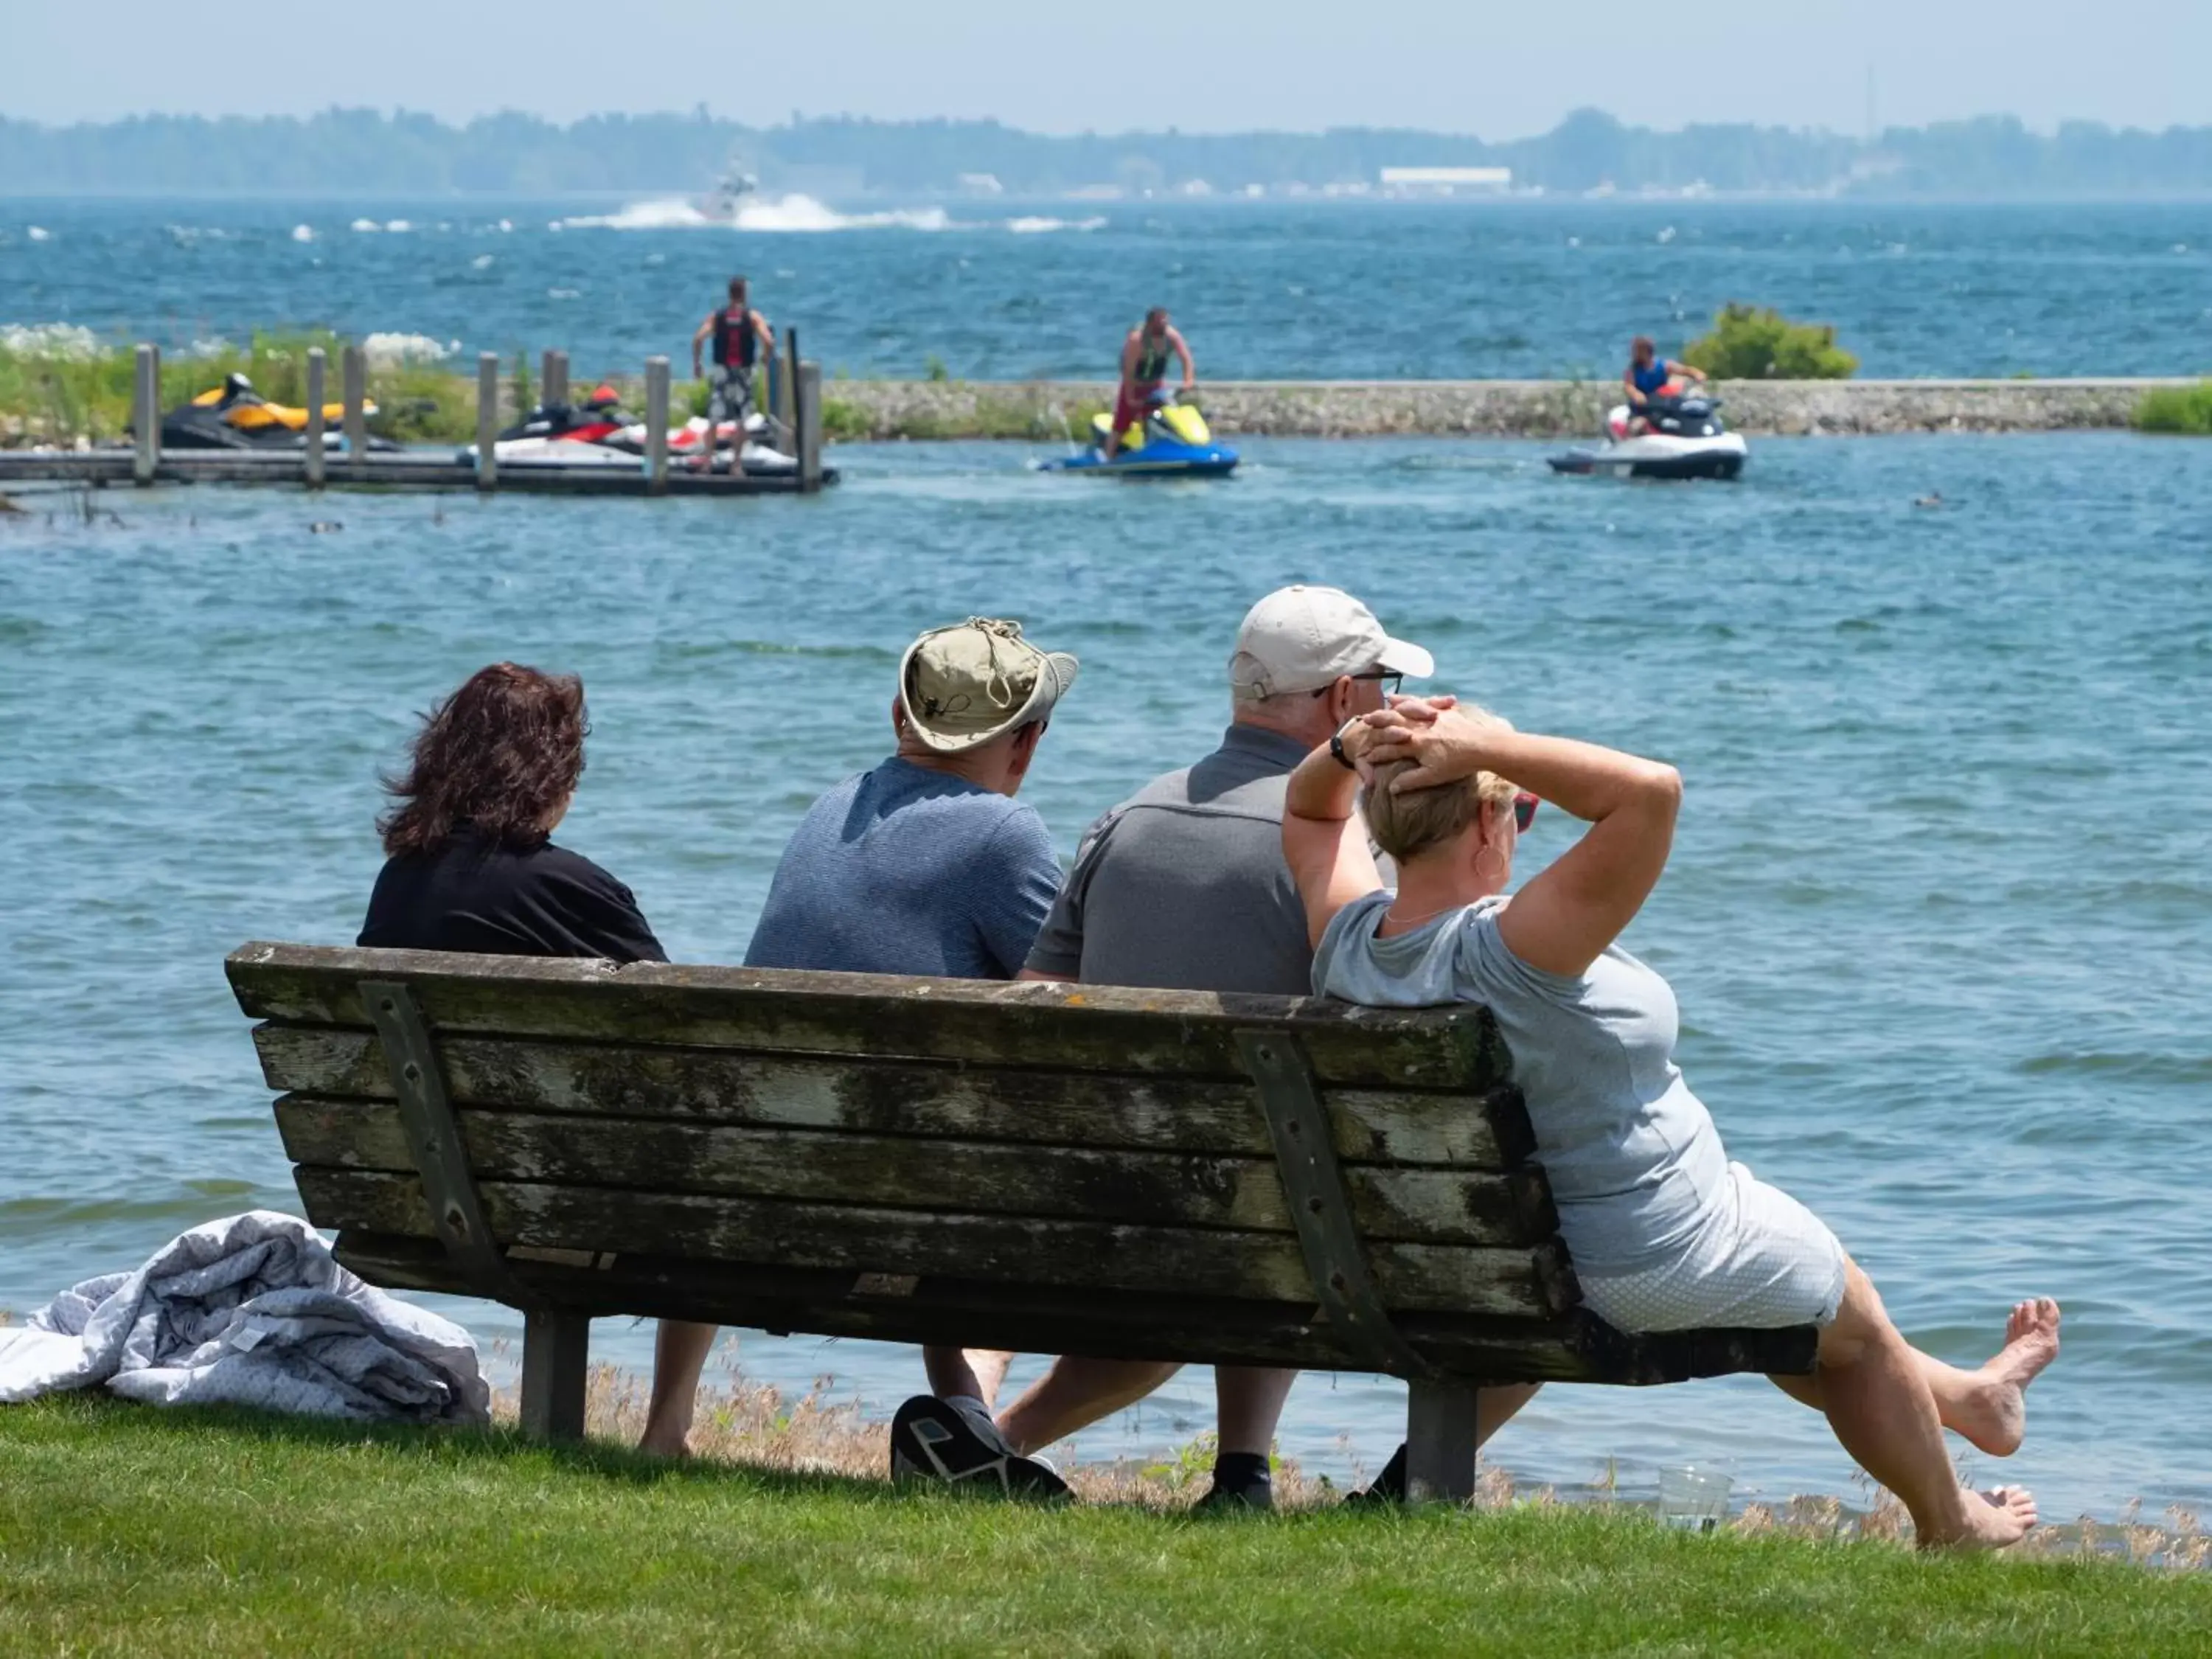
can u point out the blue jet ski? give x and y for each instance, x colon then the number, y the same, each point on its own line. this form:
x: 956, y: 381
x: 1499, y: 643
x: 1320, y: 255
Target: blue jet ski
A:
x: 1172, y: 442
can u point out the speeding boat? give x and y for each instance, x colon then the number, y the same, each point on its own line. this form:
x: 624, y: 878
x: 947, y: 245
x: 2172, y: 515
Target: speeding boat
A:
x: 722, y: 204
x: 1172, y: 442
x: 234, y: 415
x: 1686, y: 439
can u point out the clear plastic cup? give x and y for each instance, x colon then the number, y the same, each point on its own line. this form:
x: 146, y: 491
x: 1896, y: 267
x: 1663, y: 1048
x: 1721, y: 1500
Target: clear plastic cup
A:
x: 1695, y: 1499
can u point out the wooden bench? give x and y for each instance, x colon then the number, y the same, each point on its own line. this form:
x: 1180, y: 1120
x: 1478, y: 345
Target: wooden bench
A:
x: 1051, y: 1168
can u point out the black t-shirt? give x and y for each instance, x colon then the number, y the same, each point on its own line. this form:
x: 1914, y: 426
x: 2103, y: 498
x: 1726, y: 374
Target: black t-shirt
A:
x: 475, y: 895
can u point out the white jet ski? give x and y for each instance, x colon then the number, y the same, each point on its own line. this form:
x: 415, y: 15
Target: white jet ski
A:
x: 1686, y: 439
x: 601, y: 434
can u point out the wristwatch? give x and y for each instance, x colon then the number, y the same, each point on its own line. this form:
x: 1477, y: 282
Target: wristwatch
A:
x: 1336, y: 750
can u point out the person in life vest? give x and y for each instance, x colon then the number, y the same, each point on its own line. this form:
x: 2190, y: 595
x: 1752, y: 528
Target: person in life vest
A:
x: 1649, y: 376
x: 740, y: 337
x: 1144, y: 365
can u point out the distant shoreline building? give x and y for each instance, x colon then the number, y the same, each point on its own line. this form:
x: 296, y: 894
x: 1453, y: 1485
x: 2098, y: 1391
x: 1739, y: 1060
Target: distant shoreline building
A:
x: 1446, y: 182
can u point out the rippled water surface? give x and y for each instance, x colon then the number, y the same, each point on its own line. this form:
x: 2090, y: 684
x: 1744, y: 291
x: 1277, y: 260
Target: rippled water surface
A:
x: 1266, y: 289
x: 1940, y: 918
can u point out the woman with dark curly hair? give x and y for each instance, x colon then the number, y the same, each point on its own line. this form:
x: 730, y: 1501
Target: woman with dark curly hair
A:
x: 471, y: 863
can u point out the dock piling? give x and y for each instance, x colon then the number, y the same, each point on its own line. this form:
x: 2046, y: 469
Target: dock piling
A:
x: 353, y: 368
x: 552, y: 381
x: 782, y: 387
x: 656, y: 426
x: 808, y: 391
x: 487, y: 420
x: 146, y: 416
x: 315, y: 462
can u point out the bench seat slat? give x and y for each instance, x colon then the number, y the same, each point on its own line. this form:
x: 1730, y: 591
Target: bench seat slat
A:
x: 1073, y: 1255
x: 1103, y: 1324
x: 1168, y: 1188
x: 1065, y: 1108
x: 1101, y: 1027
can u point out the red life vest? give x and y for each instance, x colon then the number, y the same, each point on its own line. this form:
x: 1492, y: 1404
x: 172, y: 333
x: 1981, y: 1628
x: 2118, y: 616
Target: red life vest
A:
x: 736, y: 342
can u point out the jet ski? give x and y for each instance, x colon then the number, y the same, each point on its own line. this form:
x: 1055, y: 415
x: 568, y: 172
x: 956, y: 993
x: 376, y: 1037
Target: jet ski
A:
x: 234, y: 415
x: 600, y: 433
x: 1687, y: 440
x: 565, y: 434
x: 1172, y: 442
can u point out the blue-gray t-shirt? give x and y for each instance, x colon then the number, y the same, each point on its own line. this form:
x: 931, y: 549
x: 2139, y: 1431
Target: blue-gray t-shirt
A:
x: 1636, y: 1164
x: 902, y: 870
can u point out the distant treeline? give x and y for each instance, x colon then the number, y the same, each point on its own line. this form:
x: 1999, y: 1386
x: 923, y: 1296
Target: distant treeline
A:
x: 348, y: 150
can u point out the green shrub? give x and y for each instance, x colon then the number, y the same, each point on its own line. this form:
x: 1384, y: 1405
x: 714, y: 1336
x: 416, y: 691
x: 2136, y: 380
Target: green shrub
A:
x: 2180, y: 408
x: 844, y: 420
x: 1752, y: 342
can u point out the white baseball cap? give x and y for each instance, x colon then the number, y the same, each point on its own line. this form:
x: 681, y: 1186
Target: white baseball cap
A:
x: 1302, y: 638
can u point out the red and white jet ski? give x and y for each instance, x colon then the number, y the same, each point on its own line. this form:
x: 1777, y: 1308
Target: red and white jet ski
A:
x: 600, y: 433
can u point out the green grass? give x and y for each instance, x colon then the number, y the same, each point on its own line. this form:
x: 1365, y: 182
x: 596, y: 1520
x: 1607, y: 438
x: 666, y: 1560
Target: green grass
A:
x: 2186, y: 410
x: 58, y: 399
x: 124, y: 1530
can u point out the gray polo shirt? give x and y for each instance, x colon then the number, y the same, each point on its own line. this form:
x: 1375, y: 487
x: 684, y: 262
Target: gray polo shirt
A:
x: 1183, y: 887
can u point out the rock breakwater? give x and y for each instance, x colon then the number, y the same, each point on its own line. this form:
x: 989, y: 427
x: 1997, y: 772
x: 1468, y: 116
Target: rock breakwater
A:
x: 1497, y: 408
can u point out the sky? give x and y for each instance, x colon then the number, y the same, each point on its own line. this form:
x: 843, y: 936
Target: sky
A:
x: 1500, y: 71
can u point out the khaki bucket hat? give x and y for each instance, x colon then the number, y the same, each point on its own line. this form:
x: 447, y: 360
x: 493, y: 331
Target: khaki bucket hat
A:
x: 965, y: 684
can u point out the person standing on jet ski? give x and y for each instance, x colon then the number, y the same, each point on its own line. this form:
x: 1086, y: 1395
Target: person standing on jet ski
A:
x: 1144, y: 365
x: 741, y: 337
x: 1648, y: 376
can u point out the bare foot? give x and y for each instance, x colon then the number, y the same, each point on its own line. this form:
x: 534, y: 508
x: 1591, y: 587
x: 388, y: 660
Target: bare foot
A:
x: 1994, y: 1416
x: 659, y: 1442
x: 1992, y: 1521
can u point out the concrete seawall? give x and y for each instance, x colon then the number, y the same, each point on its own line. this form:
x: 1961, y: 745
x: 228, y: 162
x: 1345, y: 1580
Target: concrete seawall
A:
x: 1517, y: 409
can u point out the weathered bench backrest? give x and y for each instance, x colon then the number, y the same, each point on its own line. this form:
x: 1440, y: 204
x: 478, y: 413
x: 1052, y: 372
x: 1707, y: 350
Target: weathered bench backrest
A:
x: 1052, y: 1167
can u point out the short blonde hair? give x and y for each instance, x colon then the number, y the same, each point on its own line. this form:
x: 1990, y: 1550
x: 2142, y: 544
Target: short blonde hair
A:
x: 1416, y: 820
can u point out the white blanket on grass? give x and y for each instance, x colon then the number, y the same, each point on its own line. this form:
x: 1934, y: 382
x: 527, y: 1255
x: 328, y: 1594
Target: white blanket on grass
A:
x: 250, y: 1310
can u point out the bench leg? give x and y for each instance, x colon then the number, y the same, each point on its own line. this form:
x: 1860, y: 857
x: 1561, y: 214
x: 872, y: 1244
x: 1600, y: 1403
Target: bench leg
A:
x: 555, y: 1347
x: 1440, y: 1435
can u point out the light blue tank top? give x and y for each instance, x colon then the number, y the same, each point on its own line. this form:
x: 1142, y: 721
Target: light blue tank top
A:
x: 1636, y: 1164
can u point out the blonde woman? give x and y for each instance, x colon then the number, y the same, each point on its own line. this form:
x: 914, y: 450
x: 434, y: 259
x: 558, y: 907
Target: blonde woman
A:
x: 1665, y: 1233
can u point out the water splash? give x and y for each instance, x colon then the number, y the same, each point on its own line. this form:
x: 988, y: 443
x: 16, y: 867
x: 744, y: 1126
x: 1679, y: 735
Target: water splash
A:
x: 787, y: 214
x: 392, y: 348
x: 1038, y: 225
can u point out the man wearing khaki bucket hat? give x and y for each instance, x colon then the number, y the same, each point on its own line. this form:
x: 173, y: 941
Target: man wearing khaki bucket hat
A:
x: 925, y: 864
x: 1183, y: 887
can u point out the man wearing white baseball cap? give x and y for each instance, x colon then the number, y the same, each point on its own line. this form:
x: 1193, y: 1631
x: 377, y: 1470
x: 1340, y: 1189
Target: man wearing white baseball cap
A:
x: 925, y: 864
x: 1183, y: 887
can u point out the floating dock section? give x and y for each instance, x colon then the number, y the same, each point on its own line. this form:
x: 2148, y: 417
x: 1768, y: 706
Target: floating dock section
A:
x: 351, y: 464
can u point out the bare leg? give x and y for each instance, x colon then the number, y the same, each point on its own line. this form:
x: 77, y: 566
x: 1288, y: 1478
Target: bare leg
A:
x: 679, y: 1354
x: 974, y: 1372
x: 1988, y: 1405
x: 1879, y: 1402
x: 1075, y: 1394
x: 1248, y: 1402
x: 1495, y: 1406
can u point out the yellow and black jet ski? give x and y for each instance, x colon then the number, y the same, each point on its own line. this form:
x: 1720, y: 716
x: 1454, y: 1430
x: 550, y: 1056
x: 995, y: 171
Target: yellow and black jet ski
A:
x: 234, y: 415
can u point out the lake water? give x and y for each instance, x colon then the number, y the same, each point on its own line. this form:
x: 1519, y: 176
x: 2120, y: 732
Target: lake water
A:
x: 1939, y: 921
x: 1268, y: 289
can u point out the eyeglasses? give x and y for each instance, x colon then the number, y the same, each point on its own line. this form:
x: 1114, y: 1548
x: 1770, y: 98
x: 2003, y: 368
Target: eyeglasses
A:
x: 1390, y: 681
x: 1524, y: 810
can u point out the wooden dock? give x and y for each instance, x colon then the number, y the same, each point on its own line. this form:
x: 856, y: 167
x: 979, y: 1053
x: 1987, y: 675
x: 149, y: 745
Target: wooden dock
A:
x: 100, y: 468
x: 353, y: 464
